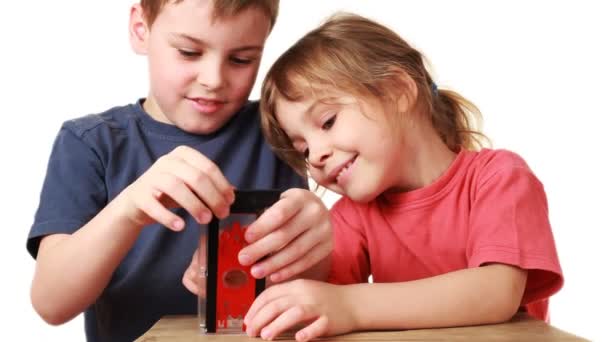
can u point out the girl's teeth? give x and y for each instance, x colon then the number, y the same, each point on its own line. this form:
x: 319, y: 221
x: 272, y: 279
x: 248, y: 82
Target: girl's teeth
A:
x: 345, y: 168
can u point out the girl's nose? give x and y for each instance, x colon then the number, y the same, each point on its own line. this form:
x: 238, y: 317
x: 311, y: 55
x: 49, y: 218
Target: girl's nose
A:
x: 318, y: 155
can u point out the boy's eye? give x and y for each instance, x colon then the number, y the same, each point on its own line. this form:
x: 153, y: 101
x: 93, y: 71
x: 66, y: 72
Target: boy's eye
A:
x: 241, y: 61
x: 305, y: 154
x: 329, y: 123
x: 189, y: 53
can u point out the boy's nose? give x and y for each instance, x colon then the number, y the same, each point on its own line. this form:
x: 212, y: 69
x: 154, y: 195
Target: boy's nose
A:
x: 211, y: 75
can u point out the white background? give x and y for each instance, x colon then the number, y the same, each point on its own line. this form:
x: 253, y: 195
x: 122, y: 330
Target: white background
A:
x: 536, y: 69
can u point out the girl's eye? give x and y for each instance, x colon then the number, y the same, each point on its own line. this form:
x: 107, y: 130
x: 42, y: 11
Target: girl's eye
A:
x: 189, y: 53
x: 329, y: 123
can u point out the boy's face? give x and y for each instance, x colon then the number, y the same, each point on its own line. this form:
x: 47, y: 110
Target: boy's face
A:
x: 201, y: 68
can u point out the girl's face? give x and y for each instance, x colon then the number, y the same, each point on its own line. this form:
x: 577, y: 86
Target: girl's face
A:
x: 351, y: 147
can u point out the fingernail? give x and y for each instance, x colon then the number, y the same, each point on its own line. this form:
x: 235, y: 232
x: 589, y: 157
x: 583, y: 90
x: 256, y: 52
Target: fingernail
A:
x: 205, y: 217
x: 225, y: 213
x: 257, y: 272
x: 178, y: 224
x: 244, y: 259
x: 265, y: 333
x: 249, y: 236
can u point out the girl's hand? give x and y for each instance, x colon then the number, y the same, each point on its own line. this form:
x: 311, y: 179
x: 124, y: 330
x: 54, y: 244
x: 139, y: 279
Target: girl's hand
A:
x: 295, y: 233
x: 182, y: 178
x: 323, y: 308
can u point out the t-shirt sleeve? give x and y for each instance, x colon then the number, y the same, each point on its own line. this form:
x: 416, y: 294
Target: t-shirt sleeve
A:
x: 510, y: 225
x: 349, y: 258
x: 73, y: 190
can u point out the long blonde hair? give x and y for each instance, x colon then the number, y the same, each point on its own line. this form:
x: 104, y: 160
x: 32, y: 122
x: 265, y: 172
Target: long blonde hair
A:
x: 361, y: 57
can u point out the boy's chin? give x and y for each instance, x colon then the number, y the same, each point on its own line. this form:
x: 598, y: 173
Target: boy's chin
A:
x: 201, y: 127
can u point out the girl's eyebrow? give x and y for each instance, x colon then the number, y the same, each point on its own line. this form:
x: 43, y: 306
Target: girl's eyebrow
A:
x: 200, y: 42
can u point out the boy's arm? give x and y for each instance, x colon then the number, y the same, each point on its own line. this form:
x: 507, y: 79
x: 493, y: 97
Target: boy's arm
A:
x: 482, y: 295
x: 72, y: 270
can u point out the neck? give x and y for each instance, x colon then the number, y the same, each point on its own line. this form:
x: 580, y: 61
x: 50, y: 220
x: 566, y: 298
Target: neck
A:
x: 152, y: 108
x: 427, y: 157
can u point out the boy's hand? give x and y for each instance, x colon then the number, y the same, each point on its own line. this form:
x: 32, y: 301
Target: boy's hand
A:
x: 190, y: 278
x: 182, y: 178
x: 323, y: 308
x: 295, y: 233
x: 194, y: 273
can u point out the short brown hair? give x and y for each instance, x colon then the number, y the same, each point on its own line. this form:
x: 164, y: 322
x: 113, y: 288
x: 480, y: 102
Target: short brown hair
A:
x: 357, y: 55
x: 222, y: 8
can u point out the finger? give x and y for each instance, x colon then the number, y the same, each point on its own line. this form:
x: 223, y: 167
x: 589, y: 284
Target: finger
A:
x: 279, y: 225
x: 271, y: 243
x: 300, y: 247
x: 267, y: 296
x: 201, y: 184
x: 190, y: 280
x: 284, y: 321
x: 274, y: 217
x: 310, y: 259
x: 173, y: 187
x: 157, y: 212
x: 316, y: 329
x: 267, y: 314
x: 202, y: 163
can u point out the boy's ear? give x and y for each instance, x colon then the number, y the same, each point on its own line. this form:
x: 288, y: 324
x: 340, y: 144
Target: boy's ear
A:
x: 138, y: 30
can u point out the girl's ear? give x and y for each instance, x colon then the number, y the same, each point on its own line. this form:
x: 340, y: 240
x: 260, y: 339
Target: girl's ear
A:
x: 138, y: 30
x: 406, y: 91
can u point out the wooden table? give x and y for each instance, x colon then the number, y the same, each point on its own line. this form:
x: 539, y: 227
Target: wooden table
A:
x: 520, y: 328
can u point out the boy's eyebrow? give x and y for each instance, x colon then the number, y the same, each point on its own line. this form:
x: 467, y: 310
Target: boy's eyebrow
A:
x: 200, y: 42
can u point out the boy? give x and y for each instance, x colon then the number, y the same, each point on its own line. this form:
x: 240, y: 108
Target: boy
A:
x: 126, y: 189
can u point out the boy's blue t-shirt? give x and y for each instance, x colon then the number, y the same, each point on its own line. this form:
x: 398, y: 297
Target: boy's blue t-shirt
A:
x: 95, y: 157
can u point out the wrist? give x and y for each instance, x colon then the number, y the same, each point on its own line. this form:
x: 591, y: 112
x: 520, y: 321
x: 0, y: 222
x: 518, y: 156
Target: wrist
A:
x: 119, y: 209
x: 352, y: 299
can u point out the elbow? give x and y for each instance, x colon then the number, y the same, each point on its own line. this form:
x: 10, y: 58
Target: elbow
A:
x: 507, y: 295
x: 504, y: 311
x: 505, y: 305
x: 48, y: 310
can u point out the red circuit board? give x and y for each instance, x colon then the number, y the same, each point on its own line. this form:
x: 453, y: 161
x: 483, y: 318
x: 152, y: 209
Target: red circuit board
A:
x: 235, y: 285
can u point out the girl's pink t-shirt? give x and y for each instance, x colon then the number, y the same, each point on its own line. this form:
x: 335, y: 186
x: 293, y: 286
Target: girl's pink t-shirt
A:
x: 488, y: 207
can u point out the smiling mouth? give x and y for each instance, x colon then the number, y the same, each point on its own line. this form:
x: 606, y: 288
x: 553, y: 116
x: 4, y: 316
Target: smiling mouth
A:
x: 207, y: 102
x: 207, y: 105
x: 345, y: 169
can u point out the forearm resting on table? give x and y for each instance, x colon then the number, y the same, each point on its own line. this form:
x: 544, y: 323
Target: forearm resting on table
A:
x: 482, y: 295
x: 73, y: 270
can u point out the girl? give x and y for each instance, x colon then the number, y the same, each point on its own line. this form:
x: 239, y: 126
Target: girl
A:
x: 453, y: 234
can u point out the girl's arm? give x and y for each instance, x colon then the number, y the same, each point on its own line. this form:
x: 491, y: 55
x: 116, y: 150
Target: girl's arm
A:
x: 482, y: 295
